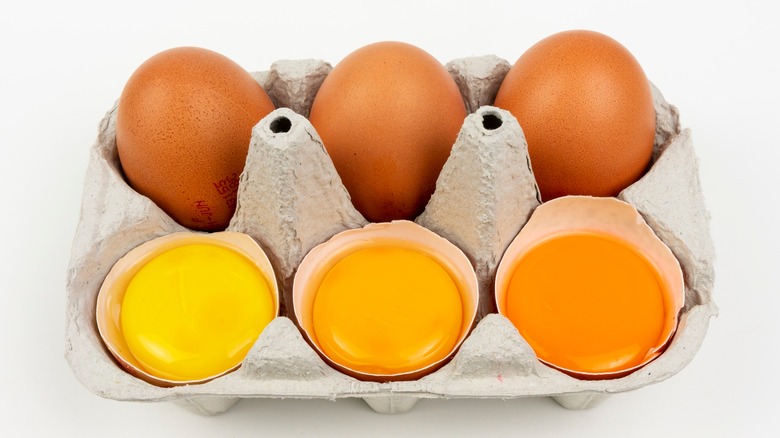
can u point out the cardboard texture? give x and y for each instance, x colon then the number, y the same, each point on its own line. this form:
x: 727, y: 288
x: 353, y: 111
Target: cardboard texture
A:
x: 291, y: 199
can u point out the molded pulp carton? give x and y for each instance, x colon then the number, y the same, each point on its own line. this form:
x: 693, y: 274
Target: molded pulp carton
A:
x: 290, y: 199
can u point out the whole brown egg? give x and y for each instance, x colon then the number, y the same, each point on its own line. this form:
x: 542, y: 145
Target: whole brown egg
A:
x: 183, y: 125
x: 586, y: 109
x: 388, y: 115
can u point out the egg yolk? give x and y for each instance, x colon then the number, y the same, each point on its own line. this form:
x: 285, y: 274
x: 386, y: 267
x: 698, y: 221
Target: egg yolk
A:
x: 387, y: 310
x: 587, y: 303
x: 194, y: 312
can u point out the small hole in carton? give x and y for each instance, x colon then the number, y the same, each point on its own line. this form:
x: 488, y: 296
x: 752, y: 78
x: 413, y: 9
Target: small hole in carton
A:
x: 491, y: 121
x: 280, y: 125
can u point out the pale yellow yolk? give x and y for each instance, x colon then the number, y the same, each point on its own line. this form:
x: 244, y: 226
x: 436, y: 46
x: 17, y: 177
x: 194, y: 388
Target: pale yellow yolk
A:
x: 587, y: 303
x: 194, y: 312
x: 387, y: 310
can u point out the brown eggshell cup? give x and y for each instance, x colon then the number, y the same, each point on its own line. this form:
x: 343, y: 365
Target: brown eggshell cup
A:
x: 319, y: 261
x: 112, y: 292
x: 605, y: 216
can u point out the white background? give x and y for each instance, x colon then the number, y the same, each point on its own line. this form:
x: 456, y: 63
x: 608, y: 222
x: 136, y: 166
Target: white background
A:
x: 64, y: 64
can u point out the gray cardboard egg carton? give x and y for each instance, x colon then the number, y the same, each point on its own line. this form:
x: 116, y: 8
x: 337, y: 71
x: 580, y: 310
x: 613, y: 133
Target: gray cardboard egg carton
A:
x: 291, y: 199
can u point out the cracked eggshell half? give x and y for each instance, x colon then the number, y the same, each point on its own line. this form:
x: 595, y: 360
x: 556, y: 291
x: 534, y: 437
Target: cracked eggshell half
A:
x: 112, y: 294
x: 378, y: 332
x: 590, y: 287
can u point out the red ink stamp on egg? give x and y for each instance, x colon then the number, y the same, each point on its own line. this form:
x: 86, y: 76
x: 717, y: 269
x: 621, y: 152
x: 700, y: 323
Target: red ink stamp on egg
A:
x: 227, y: 188
x: 205, y: 216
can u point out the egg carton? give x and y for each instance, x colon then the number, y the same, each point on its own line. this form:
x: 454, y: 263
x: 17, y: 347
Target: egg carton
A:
x: 291, y: 199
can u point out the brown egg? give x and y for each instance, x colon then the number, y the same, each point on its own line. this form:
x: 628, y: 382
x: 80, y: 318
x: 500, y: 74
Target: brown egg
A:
x: 183, y: 126
x: 388, y: 115
x: 587, y: 112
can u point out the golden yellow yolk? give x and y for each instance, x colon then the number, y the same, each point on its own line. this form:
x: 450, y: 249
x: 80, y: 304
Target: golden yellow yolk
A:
x: 194, y: 312
x: 587, y: 303
x: 387, y: 310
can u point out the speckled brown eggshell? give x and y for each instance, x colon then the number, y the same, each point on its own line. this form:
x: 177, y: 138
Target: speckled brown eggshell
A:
x: 184, y: 121
x: 388, y: 115
x: 586, y: 109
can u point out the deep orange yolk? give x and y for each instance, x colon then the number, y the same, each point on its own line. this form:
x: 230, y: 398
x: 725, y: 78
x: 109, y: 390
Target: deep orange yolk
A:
x: 194, y: 312
x: 387, y: 310
x: 587, y: 303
